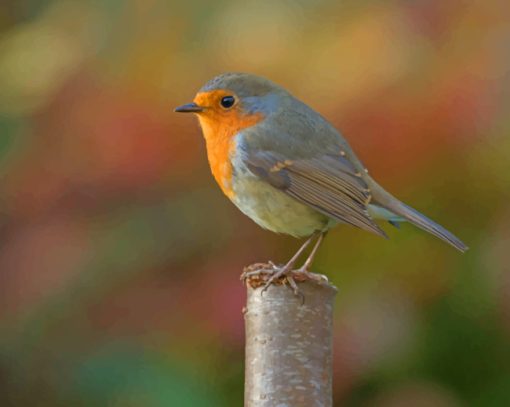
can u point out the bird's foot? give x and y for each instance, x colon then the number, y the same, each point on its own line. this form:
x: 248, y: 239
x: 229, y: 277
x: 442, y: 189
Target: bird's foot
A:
x: 303, y: 274
x: 258, y: 274
x: 265, y: 274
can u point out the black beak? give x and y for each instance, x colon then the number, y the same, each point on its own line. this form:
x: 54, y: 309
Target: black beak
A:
x: 189, y: 108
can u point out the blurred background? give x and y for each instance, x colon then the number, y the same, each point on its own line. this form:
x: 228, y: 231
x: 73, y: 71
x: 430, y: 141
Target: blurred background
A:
x: 120, y: 258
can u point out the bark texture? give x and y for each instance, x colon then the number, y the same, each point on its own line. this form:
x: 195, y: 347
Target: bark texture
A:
x: 289, y: 346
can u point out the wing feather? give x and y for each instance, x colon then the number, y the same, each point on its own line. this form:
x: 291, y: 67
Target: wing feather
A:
x: 328, y: 184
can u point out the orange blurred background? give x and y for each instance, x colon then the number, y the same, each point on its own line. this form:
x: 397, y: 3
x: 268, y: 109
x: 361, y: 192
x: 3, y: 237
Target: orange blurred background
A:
x: 120, y: 258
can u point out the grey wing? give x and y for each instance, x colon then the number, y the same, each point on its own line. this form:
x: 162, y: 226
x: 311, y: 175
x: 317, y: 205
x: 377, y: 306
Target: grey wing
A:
x: 328, y: 183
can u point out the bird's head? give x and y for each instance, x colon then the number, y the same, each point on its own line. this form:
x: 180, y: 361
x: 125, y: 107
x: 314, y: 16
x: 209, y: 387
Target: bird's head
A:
x: 231, y: 102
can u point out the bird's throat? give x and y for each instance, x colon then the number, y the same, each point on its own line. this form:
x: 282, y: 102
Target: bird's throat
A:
x: 219, y: 134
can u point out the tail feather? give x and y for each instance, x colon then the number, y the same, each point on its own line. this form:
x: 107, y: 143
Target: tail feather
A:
x: 391, y: 203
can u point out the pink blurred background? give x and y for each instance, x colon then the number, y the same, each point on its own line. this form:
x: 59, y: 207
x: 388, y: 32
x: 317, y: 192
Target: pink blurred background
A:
x: 120, y: 258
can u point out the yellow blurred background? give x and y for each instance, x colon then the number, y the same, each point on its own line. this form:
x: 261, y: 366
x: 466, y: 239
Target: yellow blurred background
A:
x: 120, y: 258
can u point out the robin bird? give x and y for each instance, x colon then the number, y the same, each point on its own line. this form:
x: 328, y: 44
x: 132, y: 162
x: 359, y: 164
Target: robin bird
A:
x: 287, y: 168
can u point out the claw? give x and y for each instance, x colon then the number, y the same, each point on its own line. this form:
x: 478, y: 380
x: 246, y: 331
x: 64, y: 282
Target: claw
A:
x: 265, y: 274
x: 277, y: 273
x: 308, y: 275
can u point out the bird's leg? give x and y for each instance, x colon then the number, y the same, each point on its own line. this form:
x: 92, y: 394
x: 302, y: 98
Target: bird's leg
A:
x: 270, y: 272
x: 287, y: 269
x: 304, y: 270
x: 266, y: 274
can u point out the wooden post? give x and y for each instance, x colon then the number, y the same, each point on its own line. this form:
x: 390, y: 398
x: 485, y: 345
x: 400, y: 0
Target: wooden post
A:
x: 289, y: 346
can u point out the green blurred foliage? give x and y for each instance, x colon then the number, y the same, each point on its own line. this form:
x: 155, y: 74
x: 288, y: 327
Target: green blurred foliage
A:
x: 119, y: 257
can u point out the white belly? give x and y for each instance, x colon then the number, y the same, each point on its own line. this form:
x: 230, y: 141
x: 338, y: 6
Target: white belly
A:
x: 273, y: 209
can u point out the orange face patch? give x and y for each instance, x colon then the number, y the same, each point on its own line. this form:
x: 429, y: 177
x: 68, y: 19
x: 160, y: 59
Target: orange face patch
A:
x: 220, y: 126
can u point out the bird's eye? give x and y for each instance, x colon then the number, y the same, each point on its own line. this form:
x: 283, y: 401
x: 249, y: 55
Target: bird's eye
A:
x: 227, y: 102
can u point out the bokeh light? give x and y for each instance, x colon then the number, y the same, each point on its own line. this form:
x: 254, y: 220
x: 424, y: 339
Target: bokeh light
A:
x: 120, y: 258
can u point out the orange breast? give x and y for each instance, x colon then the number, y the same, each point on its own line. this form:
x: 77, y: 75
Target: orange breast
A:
x: 219, y: 131
x: 220, y: 128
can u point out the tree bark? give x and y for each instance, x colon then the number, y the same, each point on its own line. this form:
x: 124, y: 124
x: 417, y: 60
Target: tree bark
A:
x: 289, y: 346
